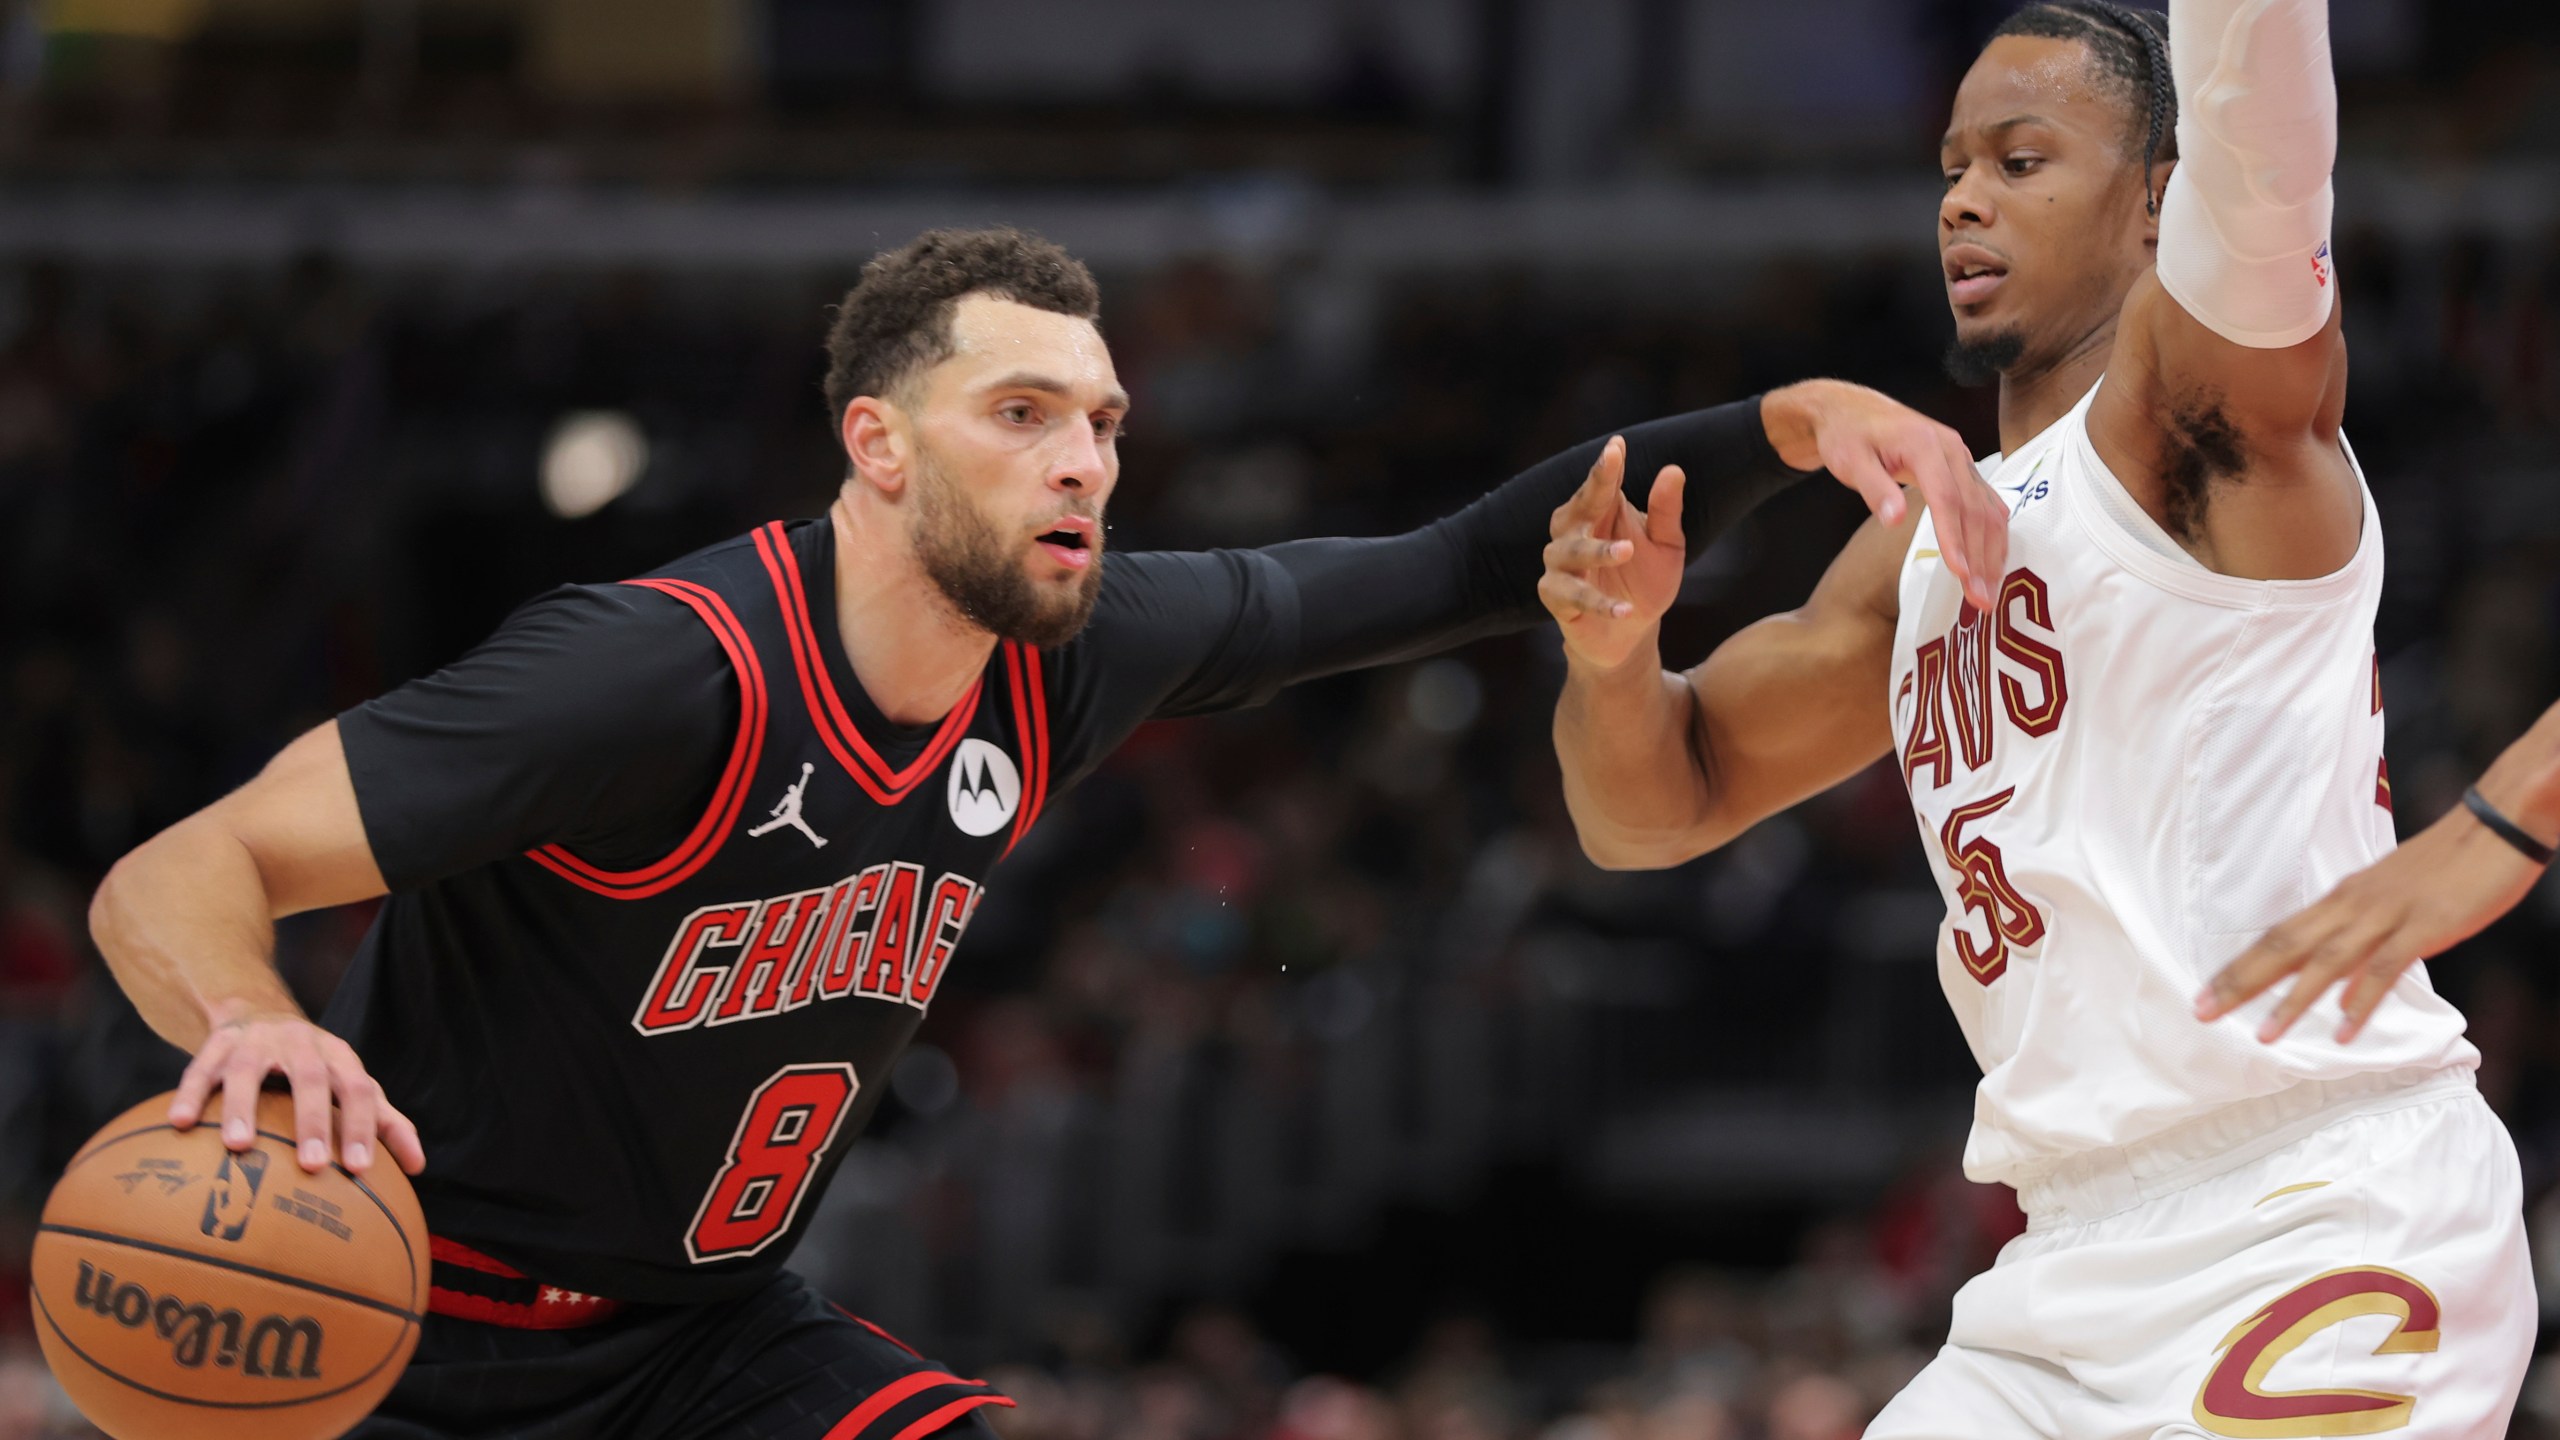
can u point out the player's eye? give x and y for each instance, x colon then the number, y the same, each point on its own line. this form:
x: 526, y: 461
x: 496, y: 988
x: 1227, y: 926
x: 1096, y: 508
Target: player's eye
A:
x: 2021, y: 164
x: 1019, y: 412
x: 1952, y: 176
x: 1107, y: 427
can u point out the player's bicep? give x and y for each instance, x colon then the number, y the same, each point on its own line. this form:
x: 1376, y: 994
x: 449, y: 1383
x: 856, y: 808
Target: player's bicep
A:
x: 299, y: 823
x: 2279, y: 400
x: 1795, y: 704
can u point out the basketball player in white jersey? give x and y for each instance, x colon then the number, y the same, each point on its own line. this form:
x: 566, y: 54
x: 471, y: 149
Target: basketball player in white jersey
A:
x: 2162, y: 736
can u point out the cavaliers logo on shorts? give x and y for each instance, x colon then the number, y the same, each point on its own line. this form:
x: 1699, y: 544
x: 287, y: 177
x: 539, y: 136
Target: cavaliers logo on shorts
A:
x: 2231, y: 1401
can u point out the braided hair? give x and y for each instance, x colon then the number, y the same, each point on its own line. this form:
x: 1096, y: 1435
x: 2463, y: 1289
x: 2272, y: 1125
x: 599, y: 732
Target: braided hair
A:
x: 2131, y: 49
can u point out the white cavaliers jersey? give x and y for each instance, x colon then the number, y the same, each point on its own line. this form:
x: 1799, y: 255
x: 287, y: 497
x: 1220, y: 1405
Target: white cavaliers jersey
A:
x: 2123, y: 775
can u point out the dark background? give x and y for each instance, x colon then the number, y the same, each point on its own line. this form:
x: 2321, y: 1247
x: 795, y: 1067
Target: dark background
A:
x: 1299, y: 1082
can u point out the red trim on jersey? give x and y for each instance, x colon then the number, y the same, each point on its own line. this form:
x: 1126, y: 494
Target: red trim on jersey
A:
x: 949, y: 1413
x: 551, y: 1308
x: 826, y: 707
x: 548, y: 1313
x: 721, y: 815
x: 890, y: 1396
x: 454, y: 1252
x: 1031, y: 729
x: 874, y: 1329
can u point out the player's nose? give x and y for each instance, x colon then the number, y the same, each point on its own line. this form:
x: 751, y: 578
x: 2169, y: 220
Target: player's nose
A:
x: 1079, y: 466
x: 1966, y: 205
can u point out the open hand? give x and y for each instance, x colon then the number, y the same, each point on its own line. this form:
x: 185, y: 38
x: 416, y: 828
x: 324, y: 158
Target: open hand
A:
x: 2440, y: 889
x: 1875, y: 445
x: 1613, y: 570
x: 244, y: 1050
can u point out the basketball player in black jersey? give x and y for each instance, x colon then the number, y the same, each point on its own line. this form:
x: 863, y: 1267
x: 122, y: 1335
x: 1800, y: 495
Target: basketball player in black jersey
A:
x: 675, y: 866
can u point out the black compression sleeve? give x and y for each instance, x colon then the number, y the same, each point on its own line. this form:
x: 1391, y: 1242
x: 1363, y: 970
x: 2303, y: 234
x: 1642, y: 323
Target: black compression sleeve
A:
x: 1475, y: 573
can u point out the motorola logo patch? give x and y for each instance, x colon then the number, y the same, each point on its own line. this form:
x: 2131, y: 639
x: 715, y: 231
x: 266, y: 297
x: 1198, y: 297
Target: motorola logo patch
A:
x: 984, y: 788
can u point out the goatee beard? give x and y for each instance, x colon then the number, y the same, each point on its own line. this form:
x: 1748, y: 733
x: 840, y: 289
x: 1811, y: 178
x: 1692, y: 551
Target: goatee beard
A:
x: 1980, y: 361
x: 969, y: 562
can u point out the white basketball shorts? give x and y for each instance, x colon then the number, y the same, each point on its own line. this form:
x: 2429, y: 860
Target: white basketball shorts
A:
x: 2357, y: 1270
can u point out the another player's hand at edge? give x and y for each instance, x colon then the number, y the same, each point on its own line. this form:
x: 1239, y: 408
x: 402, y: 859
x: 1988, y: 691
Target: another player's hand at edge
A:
x: 2438, y: 890
x: 1875, y: 444
x: 1612, y: 570
x: 247, y: 1045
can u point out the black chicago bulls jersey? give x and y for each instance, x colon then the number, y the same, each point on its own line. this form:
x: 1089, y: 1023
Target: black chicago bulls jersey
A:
x: 669, y: 893
x: 635, y: 1065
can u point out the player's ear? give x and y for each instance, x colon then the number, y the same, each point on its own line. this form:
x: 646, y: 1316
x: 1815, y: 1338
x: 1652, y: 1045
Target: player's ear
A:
x: 875, y: 443
x: 2160, y: 173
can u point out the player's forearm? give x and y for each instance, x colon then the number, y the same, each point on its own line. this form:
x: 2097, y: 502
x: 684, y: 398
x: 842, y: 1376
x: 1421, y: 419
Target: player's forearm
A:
x: 184, y: 923
x: 2244, y: 225
x: 1376, y: 601
x: 2524, y: 781
x: 1633, y: 780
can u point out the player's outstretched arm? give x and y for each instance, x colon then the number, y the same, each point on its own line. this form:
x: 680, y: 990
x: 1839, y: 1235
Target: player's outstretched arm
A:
x: 2443, y: 887
x: 1660, y: 767
x: 1478, y: 572
x: 187, y: 923
x: 2228, y: 381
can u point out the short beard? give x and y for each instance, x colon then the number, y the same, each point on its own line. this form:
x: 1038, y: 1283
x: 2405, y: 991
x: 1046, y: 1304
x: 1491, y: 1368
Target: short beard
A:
x: 1972, y: 363
x: 969, y: 562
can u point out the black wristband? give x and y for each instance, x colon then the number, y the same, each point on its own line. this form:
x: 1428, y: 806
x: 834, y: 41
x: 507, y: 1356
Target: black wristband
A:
x: 2504, y: 828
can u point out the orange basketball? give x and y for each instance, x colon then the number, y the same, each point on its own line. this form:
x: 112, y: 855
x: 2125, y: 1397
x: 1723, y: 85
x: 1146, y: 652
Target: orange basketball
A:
x: 181, y: 1289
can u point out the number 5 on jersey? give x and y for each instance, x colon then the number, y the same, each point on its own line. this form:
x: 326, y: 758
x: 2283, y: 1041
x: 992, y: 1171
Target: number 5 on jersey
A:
x: 790, y: 1121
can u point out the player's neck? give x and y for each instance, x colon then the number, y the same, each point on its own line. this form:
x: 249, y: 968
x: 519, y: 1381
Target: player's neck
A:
x: 910, y: 649
x: 2031, y: 399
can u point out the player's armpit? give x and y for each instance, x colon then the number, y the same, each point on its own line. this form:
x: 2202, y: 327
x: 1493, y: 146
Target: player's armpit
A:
x: 2235, y: 451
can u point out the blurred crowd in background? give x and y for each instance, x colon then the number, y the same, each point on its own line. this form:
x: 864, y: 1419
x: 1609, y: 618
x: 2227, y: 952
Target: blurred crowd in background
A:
x: 1298, y: 1081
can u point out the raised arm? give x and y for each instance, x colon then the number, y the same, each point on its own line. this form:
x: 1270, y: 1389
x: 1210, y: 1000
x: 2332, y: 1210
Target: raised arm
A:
x: 187, y: 923
x: 1660, y: 767
x: 2223, y: 398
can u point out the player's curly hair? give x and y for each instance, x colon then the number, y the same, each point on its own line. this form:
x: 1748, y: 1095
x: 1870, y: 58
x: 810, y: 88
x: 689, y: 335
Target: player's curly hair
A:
x: 896, y: 320
x: 2131, y: 48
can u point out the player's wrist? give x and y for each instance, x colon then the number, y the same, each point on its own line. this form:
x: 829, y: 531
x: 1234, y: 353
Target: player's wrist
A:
x: 238, y: 1010
x: 1792, y: 417
x: 1642, y: 658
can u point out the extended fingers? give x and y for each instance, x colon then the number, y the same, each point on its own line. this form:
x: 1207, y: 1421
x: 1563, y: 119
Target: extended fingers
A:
x: 1569, y: 597
x: 242, y: 1074
x: 1862, y: 470
x: 1591, y: 505
x: 195, y: 1087
x: 1572, y: 553
x: 311, y: 1080
x: 2376, y: 972
x: 1663, y: 507
x: 1984, y: 517
x: 359, y: 1108
x: 400, y: 1137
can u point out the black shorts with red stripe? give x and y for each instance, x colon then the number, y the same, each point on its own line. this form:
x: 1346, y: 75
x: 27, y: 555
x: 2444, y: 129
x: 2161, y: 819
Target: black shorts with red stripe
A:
x: 779, y: 1363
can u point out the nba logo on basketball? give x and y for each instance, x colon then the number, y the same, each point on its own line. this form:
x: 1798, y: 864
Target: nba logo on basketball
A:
x: 234, y: 1197
x: 984, y: 788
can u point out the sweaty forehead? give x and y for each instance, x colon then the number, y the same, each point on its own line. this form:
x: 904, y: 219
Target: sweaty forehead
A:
x: 993, y: 337
x: 2053, y: 80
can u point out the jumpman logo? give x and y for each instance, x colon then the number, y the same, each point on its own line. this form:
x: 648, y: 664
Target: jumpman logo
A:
x: 786, y: 811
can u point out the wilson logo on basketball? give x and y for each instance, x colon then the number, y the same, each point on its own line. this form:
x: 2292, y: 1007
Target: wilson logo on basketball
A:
x: 234, y: 1197
x: 270, y: 1347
